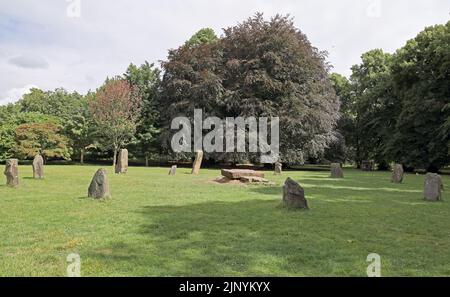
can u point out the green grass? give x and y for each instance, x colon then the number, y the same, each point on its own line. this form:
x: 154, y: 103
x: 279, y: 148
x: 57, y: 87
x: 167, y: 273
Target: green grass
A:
x: 184, y: 225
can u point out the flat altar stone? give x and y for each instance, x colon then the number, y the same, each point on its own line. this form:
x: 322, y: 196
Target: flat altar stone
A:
x: 238, y: 173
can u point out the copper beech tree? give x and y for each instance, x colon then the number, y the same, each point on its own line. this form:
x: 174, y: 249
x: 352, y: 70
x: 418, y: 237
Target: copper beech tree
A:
x: 116, y: 110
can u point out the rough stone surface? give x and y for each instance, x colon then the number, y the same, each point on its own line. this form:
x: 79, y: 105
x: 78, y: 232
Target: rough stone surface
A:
x: 173, y: 170
x: 38, y: 167
x: 12, y: 172
x: 253, y: 179
x: 238, y: 173
x: 197, y: 162
x: 294, y: 195
x: 397, y: 174
x: 336, y: 170
x: 432, y: 187
x: 99, y: 187
x: 122, y: 162
x: 278, y: 168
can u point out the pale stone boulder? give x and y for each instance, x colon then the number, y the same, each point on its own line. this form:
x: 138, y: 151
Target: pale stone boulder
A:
x: 238, y: 173
x: 253, y: 179
x: 197, y: 162
x: 122, y: 162
x: 173, y: 170
x: 99, y: 187
x: 336, y: 170
x: 38, y: 167
x: 12, y: 173
x: 278, y: 168
x: 432, y: 187
x: 397, y: 174
x: 294, y: 195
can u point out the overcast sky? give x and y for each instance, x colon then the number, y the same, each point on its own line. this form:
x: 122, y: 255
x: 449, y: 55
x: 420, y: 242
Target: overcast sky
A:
x: 75, y: 44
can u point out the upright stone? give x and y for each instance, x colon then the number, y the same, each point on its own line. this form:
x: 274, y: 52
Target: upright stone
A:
x: 336, y: 170
x: 432, y: 187
x: 173, y: 170
x: 99, y: 187
x: 122, y: 162
x: 12, y: 172
x: 397, y: 174
x: 278, y: 168
x: 197, y: 162
x: 38, y: 167
x: 294, y: 195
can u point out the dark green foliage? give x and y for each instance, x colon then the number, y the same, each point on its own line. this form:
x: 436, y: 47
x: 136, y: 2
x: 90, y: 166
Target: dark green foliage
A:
x: 422, y: 78
x: 146, y: 79
x: 258, y: 68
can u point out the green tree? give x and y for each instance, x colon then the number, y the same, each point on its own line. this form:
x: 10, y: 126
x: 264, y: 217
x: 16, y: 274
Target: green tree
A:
x: 116, y: 109
x: 343, y: 148
x: 81, y: 129
x: 58, y: 103
x: 41, y: 138
x: 376, y: 106
x: 203, y: 36
x: 146, y: 79
x: 422, y: 78
x: 258, y: 68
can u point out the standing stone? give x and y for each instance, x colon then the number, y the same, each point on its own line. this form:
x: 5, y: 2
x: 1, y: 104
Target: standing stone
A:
x: 432, y: 187
x: 122, y: 162
x: 38, y: 167
x: 99, y: 187
x: 197, y: 162
x: 294, y: 195
x: 278, y: 168
x: 173, y: 170
x: 397, y: 174
x: 336, y: 170
x: 12, y: 173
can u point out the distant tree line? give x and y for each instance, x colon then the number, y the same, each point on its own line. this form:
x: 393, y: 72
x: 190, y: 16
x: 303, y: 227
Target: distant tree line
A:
x: 393, y: 107
x: 396, y: 107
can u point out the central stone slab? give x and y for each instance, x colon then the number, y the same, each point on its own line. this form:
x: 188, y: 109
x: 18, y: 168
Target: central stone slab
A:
x: 239, y: 173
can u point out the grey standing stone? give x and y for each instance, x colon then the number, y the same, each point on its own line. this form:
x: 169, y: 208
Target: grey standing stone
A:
x: 197, y: 162
x: 99, y: 187
x: 432, y: 187
x: 294, y: 195
x: 336, y: 170
x: 397, y: 174
x: 278, y: 168
x: 38, y: 167
x: 173, y: 170
x: 12, y: 173
x: 122, y: 162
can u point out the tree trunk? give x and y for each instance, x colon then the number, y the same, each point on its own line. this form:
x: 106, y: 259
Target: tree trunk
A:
x: 82, y: 157
x: 146, y: 161
x: 115, y: 157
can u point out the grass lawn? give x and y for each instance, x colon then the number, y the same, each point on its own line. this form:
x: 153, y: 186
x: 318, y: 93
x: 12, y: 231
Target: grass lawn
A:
x: 184, y: 225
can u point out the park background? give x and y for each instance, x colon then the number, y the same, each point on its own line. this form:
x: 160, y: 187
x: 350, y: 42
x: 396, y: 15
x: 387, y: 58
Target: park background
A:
x: 392, y: 108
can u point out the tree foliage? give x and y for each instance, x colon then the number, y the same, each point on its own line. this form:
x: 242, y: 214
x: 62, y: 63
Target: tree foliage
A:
x: 258, y: 68
x: 41, y: 138
x: 116, y: 110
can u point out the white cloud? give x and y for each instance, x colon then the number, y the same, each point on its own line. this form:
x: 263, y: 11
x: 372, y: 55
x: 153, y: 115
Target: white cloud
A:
x: 16, y: 94
x: 29, y: 61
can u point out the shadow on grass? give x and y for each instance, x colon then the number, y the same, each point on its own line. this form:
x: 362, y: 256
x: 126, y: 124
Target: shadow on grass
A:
x: 253, y: 237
